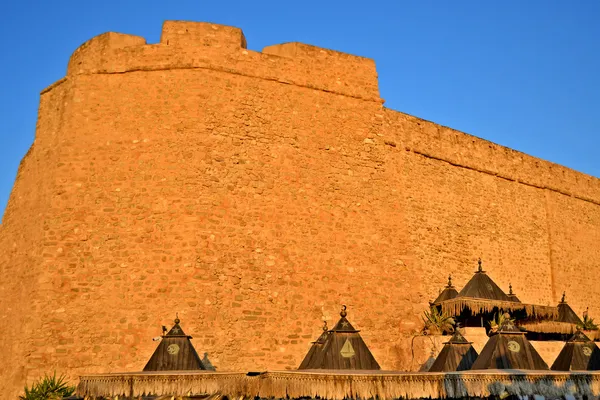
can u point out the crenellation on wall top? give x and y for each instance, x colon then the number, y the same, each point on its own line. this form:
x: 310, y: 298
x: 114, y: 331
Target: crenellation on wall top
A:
x: 95, y: 51
x: 186, y: 33
x: 201, y: 45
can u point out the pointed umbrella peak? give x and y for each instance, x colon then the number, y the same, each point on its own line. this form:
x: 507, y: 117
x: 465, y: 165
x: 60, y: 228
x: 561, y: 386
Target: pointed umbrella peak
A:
x: 457, y: 338
x: 325, y: 328
x: 479, y: 267
x: 481, y: 286
x: 579, y: 336
x: 176, y: 329
x: 448, y: 293
x: 343, y: 325
x: 508, y: 326
x: 511, y: 295
x: 339, y: 348
x: 174, y: 352
x: 562, y: 299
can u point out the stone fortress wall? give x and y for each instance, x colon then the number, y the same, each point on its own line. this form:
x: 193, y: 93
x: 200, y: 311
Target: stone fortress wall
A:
x: 254, y: 193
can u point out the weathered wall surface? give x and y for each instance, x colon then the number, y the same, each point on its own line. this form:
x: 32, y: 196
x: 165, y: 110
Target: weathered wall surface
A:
x: 253, y: 193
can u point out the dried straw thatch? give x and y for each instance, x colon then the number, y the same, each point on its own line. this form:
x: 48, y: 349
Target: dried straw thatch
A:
x: 549, y: 327
x: 593, y: 335
x: 565, y: 321
x: 482, y: 295
x: 174, y: 383
x: 343, y: 385
x: 478, y: 306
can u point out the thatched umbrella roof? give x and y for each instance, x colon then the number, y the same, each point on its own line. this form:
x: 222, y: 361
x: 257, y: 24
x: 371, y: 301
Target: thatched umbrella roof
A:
x: 509, y: 349
x: 448, y: 293
x: 578, y: 354
x: 343, y: 348
x: 482, y: 295
x: 565, y: 322
x: 457, y: 355
x: 174, y: 352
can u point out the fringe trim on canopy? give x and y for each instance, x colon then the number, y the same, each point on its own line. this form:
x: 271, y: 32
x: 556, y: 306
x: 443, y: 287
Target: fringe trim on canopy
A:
x: 456, y: 305
x: 593, y: 335
x: 549, y: 327
x: 338, y: 386
x: 179, y: 383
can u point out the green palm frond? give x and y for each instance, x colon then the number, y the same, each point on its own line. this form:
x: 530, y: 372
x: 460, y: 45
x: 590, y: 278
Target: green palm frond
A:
x: 48, y: 388
x: 498, y: 320
x: 587, y: 324
x: 436, y: 322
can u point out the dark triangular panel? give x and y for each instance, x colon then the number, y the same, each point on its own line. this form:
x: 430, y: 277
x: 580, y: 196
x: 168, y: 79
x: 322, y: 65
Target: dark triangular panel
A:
x: 312, y: 358
x: 340, y: 348
x: 481, y: 286
x: 457, y: 355
x: 458, y: 338
x: 175, y: 352
x: 207, y: 364
x: 578, y: 354
x: 448, y: 293
x: 566, y: 313
x: 509, y: 349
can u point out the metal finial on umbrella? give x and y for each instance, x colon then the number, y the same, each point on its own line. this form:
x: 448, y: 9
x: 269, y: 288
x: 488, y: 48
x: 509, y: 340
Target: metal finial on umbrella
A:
x: 343, y: 313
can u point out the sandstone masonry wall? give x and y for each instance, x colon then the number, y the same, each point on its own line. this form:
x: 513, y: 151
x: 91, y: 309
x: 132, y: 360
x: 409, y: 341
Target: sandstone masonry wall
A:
x: 253, y: 193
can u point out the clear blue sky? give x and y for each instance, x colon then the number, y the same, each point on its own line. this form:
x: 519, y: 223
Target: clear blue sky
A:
x: 524, y: 74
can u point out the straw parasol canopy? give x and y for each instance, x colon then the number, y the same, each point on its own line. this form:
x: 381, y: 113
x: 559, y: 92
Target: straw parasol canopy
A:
x: 341, y: 348
x: 578, y: 354
x: 457, y: 355
x: 509, y: 349
x: 565, y: 322
x: 482, y: 295
x: 175, y: 352
x: 448, y: 293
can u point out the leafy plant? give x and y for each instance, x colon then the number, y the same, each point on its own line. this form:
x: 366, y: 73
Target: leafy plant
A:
x: 436, y: 322
x: 587, y: 324
x: 48, y: 388
x: 498, y: 320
